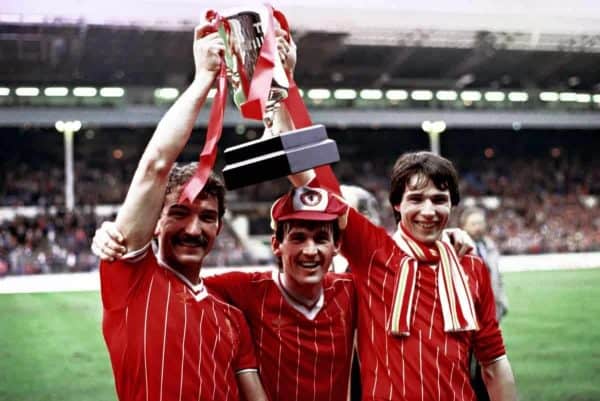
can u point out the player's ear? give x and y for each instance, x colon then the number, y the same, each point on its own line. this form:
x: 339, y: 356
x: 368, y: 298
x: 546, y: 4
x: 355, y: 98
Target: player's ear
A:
x: 157, y: 227
x: 275, y: 246
x: 336, y: 246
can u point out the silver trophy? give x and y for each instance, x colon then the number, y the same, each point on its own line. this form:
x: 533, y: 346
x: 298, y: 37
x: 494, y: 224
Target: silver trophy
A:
x: 275, y: 154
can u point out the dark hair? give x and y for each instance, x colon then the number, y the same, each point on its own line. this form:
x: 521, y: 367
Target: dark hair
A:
x: 430, y: 166
x: 181, y: 173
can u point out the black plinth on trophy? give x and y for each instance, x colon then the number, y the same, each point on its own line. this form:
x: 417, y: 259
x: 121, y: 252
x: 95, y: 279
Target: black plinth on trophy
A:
x: 278, y: 156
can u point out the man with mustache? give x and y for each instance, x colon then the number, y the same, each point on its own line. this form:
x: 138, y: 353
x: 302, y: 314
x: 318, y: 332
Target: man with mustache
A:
x: 167, y: 336
x: 302, y: 318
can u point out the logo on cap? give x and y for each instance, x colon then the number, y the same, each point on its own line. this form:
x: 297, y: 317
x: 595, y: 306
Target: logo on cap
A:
x: 313, y: 199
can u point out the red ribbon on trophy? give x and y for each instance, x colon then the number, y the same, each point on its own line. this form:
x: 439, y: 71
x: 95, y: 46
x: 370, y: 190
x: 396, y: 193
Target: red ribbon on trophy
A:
x: 215, y: 127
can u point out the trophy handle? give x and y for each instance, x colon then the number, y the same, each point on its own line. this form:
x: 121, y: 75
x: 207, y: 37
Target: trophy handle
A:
x: 276, y: 96
x: 281, y: 82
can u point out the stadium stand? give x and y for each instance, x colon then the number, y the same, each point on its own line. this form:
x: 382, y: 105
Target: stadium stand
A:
x: 541, y: 191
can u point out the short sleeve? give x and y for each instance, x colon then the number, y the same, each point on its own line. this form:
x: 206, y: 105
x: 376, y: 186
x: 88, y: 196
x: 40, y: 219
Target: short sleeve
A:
x: 246, y: 355
x: 232, y: 287
x: 118, y: 279
x: 488, y: 341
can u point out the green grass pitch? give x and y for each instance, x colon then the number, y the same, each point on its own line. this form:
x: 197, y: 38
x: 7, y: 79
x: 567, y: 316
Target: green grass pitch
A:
x: 552, y: 334
x: 51, y: 347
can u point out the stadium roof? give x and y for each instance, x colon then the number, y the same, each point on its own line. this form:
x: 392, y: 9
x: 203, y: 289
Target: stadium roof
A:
x: 427, y: 44
x: 549, y: 16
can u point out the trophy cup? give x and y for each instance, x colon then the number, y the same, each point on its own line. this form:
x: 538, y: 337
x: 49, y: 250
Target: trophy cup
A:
x: 258, y: 89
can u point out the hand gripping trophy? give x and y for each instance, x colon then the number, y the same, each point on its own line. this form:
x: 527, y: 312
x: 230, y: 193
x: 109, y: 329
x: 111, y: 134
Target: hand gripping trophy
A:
x: 259, y: 85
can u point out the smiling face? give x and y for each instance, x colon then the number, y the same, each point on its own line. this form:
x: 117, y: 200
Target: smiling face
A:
x: 186, y: 232
x: 424, y: 209
x: 306, y: 250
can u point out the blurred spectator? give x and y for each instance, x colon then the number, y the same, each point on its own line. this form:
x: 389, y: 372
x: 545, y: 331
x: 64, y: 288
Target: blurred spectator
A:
x: 473, y: 221
x: 48, y: 243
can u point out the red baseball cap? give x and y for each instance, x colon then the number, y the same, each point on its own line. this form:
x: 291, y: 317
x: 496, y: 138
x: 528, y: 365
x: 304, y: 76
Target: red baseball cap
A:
x: 306, y: 203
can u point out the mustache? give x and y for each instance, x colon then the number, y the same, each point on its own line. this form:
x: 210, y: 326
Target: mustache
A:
x: 191, y: 240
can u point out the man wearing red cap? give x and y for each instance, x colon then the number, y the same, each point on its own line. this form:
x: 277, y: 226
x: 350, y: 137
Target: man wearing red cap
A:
x: 302, y: 317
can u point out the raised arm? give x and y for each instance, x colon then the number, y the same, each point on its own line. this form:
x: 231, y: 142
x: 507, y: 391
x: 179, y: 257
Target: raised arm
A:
x: 137, y: 217
x: 286, y: 50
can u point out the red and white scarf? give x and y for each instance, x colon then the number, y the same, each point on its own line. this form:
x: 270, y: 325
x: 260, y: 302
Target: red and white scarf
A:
x: 453, y: 288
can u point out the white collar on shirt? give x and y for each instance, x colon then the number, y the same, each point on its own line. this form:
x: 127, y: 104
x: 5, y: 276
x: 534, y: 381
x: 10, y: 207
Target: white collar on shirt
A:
x: 198, y: 291
x: 311, y: 313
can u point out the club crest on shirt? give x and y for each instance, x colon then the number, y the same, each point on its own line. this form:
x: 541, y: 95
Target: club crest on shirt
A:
x: 184, y: 296
x: 227, y: 329
x: 279, y: 323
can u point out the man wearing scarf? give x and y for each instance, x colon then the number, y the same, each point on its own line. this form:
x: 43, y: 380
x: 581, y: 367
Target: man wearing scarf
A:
x: 422, y: 309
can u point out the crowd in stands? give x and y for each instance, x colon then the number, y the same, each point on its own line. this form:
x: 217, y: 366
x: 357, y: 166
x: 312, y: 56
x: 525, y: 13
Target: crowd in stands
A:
x: 47, y: 243
x: 541, y: 224
x: 23, y: 185
x: 543, y: 205
x: 60, y: 242
x: 508, y: 178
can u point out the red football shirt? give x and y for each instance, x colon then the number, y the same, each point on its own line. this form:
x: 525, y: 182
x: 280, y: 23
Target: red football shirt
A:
x: 303, y: 355
x: 169, y: 339
x: 429, y: 364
